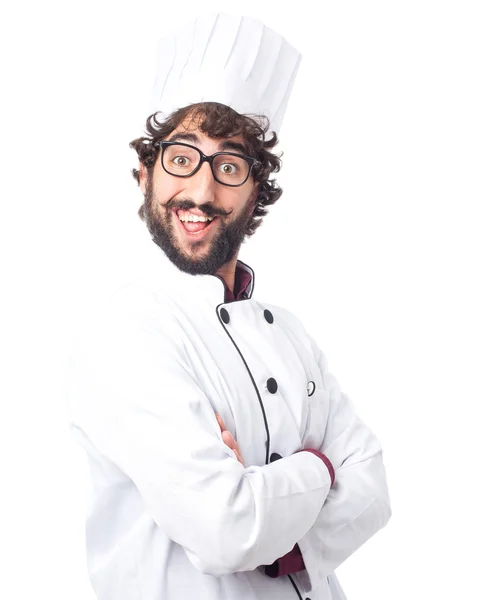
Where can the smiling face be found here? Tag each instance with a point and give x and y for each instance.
(170, 202)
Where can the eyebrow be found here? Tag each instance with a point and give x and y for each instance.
(193, 138)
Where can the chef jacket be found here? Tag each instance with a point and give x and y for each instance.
(173, 514)
(293, 560)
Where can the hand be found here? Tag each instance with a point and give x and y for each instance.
(229, 440)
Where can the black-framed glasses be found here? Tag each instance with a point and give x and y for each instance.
(184, 160)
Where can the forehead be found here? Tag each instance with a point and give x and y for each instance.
(190, 127)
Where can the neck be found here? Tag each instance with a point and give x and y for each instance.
(227, 273)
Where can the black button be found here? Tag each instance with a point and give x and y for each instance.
(275, 456)
(225, 315)
(272, 385)
(268, 316)
(311, 388)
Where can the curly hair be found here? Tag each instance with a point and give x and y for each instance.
(218, 121)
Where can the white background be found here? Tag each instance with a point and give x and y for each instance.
(374, 245)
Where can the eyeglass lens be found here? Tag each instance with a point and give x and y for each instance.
(181, 160)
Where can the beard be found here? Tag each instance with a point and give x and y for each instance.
(223, 245)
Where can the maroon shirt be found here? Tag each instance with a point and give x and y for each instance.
(291, 562)
(242, 281)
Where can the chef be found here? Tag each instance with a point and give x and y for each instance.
(226, 462)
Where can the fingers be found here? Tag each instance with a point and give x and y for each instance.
(229, 440)
(221, 423)
(227, 435)
(239, 458)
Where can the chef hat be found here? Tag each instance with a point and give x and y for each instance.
(233, 60)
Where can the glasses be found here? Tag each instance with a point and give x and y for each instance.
(183, 160)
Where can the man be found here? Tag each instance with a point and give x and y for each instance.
(226, 461)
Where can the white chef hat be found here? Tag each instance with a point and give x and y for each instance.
(233, 60)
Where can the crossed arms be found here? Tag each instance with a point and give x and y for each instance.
(134, 397)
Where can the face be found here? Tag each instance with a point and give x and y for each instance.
(197, 248)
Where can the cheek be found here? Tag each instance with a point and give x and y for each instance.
(166, 187)
(243, 198)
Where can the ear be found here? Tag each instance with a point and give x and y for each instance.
(143, 177)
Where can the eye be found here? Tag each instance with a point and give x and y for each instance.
(228, 168)
(181, 161)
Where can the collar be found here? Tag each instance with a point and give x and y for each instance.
(168, 276)
(242, 280)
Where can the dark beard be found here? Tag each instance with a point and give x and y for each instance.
(223, 246)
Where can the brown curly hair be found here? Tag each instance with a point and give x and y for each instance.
(218, 121)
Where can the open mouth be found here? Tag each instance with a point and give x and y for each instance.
(197, 227)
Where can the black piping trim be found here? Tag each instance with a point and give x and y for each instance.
(254, 276)
(252, 379)
(295, 588)
(225, 288)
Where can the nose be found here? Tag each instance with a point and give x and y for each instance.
(202, 185)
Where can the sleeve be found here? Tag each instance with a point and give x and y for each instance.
(132, 393)
(292, 562)
(358, 503)
(287, 564)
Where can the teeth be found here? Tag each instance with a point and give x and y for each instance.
(195, 218)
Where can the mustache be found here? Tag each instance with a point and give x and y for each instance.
(187, 204)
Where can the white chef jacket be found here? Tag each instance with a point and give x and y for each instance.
(173, 514)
